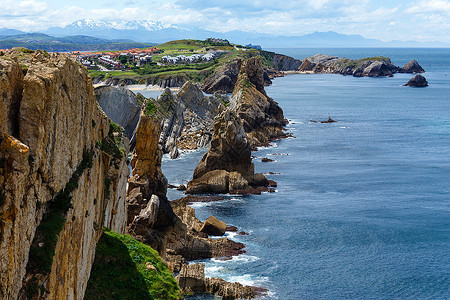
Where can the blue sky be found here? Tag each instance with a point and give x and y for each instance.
(421, 20)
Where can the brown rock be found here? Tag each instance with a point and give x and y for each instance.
(213, 226)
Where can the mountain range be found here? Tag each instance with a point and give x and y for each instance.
(158, 32)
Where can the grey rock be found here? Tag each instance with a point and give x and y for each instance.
(417, 81)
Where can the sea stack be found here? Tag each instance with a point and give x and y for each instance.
(417, 81)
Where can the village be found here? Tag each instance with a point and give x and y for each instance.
(132, 58)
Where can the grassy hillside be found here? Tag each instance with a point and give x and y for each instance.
(127, 269)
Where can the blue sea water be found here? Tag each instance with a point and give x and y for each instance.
(362, 208)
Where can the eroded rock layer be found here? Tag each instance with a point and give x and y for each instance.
(58, 185)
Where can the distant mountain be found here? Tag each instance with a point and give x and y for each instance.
(141, 31)
(158, 32)
(69, 43)
(7, 31)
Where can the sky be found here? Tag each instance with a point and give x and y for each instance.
(419, 20)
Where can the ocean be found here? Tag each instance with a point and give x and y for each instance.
(362, 208)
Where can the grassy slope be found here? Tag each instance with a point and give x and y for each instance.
(120, 272)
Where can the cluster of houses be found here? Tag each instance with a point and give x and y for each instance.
(211, 55)
(140, 56)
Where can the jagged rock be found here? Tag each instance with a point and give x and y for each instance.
(49, 122)
(213, 226)
(181, 187)
(121, 106)
(192, 280)
(417, 81)
(285, 63)
(378, 68)
(265, 159)
(412, 67)
(224, 78)
(227, 166)
(263, 119)
(190, 119)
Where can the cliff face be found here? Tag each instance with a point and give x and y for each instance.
(263, 118)
(190, 121)
(121, 106)
(57, 189)
(285, 63)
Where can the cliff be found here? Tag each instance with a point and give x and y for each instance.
(62, 176)
(122, 106)
(190, 118)
(263, 119)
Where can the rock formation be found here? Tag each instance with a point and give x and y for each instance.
(59, 185)
(371, 66)
(417, 81)
(121, 106)
(192, 280)
(263, 118)
(224, 78)
(227, 166)
(188, 119)
(412, 67)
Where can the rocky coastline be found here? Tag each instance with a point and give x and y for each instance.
(64, 165)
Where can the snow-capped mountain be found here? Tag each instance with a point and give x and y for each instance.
(119, 25)
(141, 30)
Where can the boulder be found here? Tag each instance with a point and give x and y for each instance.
(377, 68)
(213, 226)
(412, 67)
(417, 81)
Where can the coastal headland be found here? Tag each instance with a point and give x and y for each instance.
(69, 208)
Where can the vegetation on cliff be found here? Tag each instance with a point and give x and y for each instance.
(127, 269)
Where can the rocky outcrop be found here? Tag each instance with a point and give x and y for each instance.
(213, 226)
(121, 106)
(263, 119)
(281, 62)
(189, 118)
(192, 280)
(411, 67)
(224, 78)
(54, 175)
(417, 81)
(227, 166)
(372, 66)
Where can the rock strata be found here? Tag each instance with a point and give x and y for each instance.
(192, 280)
(263, 119)
(54, 171)
(190, 118)
(227, 166)
(121, 106)
(417, 81)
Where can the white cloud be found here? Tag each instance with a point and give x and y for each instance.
(430, 6)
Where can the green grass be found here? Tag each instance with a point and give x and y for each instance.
(120, 271)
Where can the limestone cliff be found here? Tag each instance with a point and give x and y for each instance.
(59, 183)
(121, 106)
(263, 118)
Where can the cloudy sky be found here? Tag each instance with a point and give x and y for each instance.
(421, 20)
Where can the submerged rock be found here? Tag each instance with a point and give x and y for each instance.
(417, 81)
